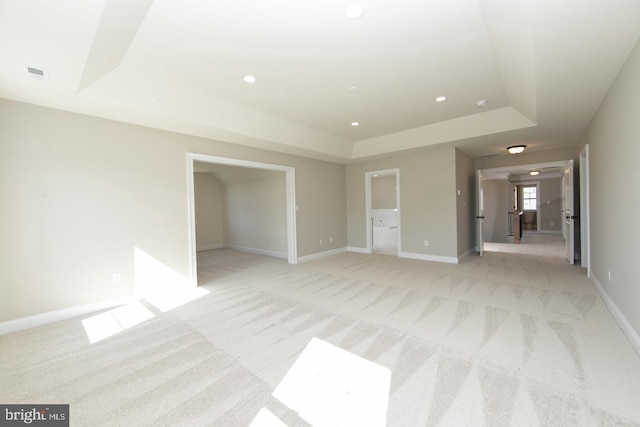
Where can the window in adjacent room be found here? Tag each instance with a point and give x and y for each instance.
(529, 199)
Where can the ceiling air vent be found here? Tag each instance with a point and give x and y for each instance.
(37, 73)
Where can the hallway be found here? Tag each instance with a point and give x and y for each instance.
(532, 244)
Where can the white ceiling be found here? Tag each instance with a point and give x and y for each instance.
(542, 65)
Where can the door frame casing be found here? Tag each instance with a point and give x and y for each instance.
(569, 205)
(585, 219)
(506, 169)
(479, 214)
(368, 208)
(292, 251)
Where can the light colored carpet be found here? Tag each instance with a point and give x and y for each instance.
(505, 339)
(532, 244)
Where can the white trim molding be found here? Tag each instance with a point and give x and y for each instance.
(619, 317)
(358, 250)
(62, 314)
(425, 257)
(324, 254)
(466, 254)
(585, 211)
(209, 247)
(274, 254)
(369, 205)
(290, 188)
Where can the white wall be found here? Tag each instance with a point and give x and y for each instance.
(526, 158)
(496, 206)
(255, 211)
(82, 195)
(427, 200)
(383, 192)
(614, 144)
(465, 203)
(550, 203)
(208, 211)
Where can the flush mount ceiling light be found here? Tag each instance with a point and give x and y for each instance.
(354, 124)
(534, 173)
(250, 79)
(441, 99)
(516, 149)
(481, 103)
(354, 11)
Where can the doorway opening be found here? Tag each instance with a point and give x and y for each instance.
(289, 173)
(382, 193)
(526, 216)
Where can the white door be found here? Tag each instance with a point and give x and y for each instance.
(585, 233)
(569, 213)
(479, 214)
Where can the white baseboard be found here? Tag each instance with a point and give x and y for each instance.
(358, 250)
(63, 314)
(260, 252)
(466, 254)
(425, 257)
(322, 254)
(619, 317)
(209, 247)
(411, 255)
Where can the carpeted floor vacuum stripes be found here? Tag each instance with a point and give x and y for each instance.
(505, 339)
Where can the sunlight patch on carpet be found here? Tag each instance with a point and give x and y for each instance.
(111, 322)
(329, 386)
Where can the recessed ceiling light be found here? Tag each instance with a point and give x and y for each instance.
(441, 98)
(354, 11)
(355, 124)
(250, 79)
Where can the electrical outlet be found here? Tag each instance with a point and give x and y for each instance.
(330, 239)
(116, 278)
(320, 241)
(426, 243)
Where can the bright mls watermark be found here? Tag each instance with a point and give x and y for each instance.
(35, 415)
